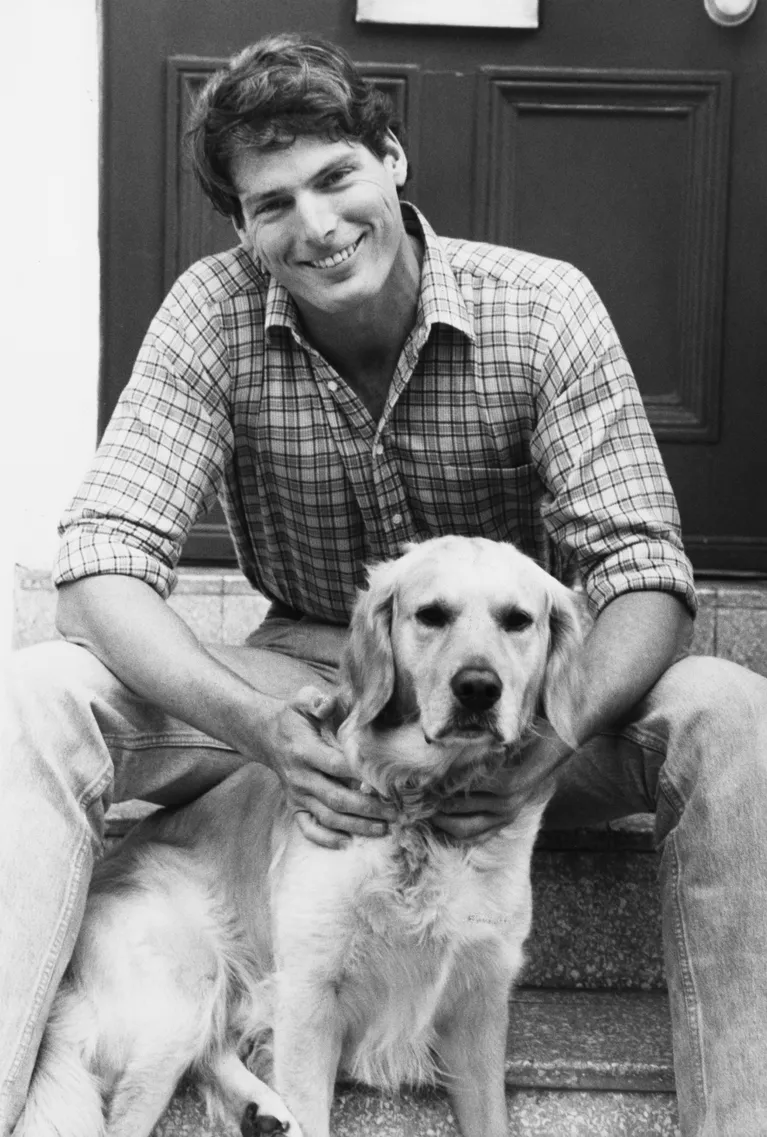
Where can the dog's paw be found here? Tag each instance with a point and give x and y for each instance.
(254, 1123)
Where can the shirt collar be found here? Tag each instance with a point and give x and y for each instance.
(280, 310)
(440, 302)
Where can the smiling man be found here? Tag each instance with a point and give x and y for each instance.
(323, 218)
(345, 380)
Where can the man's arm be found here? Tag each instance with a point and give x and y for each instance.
(633, 641)
(128, 626)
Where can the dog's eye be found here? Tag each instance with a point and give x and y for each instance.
(515, 620)
(432, 616)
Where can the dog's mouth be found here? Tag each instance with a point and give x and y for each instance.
(472, 728)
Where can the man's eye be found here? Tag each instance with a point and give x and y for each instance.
(334, 176)
(515, 620)
(432, 616)
(269, 207)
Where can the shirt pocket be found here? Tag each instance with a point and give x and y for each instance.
(502, 503)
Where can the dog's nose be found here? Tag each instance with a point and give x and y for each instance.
(476, 688)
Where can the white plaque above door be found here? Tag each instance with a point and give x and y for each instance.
(450, 13)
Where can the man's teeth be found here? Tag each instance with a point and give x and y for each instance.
(337, 258)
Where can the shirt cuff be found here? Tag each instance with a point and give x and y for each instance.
(84, 554)
(648, 566)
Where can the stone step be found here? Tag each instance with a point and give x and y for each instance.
(534, 1113)
(596, 909)
(578, 1062)
(590, 1040)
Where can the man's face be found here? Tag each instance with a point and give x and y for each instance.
(324, 219)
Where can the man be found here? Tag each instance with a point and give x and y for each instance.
(347, 381)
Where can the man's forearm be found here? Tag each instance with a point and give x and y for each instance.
(148, 646)
(633, 642)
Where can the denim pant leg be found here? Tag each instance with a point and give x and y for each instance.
(711, 823)
(696, 753)
(74, 739)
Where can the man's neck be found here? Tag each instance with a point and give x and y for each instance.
(364, 344)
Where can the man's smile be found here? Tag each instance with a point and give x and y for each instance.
(337, 258)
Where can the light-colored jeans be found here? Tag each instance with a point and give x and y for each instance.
(695, 752)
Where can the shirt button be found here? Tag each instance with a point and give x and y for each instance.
(397, 519)
(379, 450)
(332, 385)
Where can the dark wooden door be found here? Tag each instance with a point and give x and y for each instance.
(628, 138)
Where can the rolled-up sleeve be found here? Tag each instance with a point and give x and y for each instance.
(608, 498)
(162, 458)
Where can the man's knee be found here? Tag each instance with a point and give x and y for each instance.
(57, 664)
(713, 714)
(704, 690)
(48, 734)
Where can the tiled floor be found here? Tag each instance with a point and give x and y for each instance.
(221, 607)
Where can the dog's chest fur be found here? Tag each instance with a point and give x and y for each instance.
(402, 925)
(421, 889)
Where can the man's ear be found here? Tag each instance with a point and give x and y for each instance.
(395, 158)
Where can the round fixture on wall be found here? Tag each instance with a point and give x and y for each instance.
(730, 13)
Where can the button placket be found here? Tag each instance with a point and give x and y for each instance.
(390, 497)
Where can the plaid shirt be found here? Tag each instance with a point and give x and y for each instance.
(512, 414)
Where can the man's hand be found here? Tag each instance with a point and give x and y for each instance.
(316, 776)
(529, 780)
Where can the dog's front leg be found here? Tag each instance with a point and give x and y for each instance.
(471, 1046)
(308, 1034)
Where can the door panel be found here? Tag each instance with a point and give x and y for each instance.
(535, 191)
(628, 139)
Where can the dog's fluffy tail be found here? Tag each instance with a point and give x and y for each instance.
(64, 1097)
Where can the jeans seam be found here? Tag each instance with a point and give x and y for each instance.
(95, 789)
(85, 800)
(686, 978)
(181, 739)
(667, 787)
(645, 739)
(51, 956)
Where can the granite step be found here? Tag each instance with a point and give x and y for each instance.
(596, 909)
(590, 1040)
(358, 1112)
(578, 1062)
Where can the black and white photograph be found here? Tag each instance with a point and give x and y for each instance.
(383, 718)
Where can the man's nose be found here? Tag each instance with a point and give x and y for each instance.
(317, 216)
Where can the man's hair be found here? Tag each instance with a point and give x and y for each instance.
(279, 89)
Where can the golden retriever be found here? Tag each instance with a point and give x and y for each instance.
(218, 932)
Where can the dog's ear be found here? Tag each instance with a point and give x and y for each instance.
(561, 684)
(368, 664)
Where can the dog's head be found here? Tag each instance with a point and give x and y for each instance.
(465, 638)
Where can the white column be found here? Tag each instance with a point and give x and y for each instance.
(50, 294)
